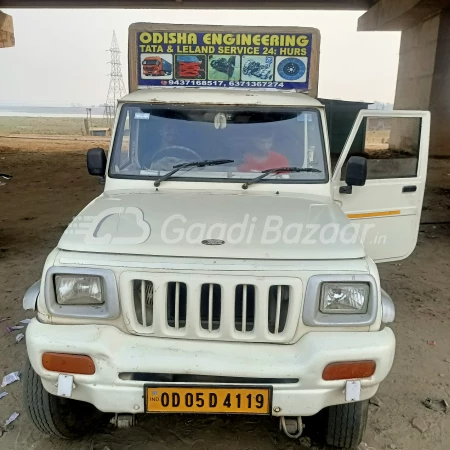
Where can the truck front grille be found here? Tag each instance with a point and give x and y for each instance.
(223, 308)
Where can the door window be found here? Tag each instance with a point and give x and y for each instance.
(390, 145)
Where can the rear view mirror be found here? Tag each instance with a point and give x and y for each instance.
(356, 174)
(96, 162)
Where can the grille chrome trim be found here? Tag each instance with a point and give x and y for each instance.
(210, 306)
(244, 308)
(143, 303)
(277, 317)
(177, 305)
(209, 319)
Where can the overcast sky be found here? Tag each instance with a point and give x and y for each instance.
(60, 56)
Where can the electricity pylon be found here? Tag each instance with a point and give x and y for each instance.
(116, 87)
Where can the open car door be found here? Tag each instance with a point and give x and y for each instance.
(386, 210)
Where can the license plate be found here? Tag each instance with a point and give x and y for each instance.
(212, 400)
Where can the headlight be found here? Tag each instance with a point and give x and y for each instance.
(344, 298)
(78, 290)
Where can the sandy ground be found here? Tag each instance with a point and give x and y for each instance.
(51, 185)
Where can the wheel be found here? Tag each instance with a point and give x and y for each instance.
(57, 416)
(345, 424)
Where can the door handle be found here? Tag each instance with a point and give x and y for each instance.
(409, 188)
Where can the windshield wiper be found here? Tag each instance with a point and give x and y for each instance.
(206, 162)
(268, 172)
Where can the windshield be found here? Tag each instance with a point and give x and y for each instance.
(151, 140)
(150, 62)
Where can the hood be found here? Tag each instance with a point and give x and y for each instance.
(247, 225)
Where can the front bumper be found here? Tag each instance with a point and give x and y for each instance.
(116, 352)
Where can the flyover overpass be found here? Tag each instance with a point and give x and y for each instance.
(424, 67)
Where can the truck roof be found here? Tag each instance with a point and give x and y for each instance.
(221, 96)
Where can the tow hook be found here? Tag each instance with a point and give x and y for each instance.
(124, 420)
(292, 426)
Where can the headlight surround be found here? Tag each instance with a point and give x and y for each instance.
(344, 298)
(79, 290)
(315, 315)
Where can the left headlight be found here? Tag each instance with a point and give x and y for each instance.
(78, 290)
(344, 298)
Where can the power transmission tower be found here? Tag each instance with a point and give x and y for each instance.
(116, 87)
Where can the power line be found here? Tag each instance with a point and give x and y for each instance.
(116, 87)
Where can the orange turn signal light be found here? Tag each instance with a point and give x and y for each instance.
(67, 363)
(349, 370)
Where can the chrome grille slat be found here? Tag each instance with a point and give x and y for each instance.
(143, 303)
(244, 308)
(210, 307)
(277, 317)
(177, 305)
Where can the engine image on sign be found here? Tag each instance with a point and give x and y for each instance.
(223, 57)
(257, 68)
(221, 68)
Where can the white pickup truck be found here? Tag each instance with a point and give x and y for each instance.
(226, 267)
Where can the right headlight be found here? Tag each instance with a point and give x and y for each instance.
(341, 300)
(344, 298)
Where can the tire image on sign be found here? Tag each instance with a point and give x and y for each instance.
(291, 69)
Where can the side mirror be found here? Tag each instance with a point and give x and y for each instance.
(356, 174)
(96, 162)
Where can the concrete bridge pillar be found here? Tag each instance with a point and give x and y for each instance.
(424, 66)
(6, 30)
(424, 76)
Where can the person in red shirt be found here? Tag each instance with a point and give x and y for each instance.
(262, 156)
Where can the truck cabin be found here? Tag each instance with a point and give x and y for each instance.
(151, 61)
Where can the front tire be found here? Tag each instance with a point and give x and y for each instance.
(57, 416)
(346, 424)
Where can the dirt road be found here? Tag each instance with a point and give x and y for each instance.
(51, 185)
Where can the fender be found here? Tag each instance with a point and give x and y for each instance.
(387, 307)
(31, 296)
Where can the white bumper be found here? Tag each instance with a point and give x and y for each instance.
(115, 352)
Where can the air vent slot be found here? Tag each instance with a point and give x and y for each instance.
(244, 308)
(176, 304)
(143, 302)
(279, 297)
(210, 306)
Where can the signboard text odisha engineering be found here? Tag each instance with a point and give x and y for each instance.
(250, 58)
(238, 43)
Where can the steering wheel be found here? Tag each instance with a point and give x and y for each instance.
(174, 151)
